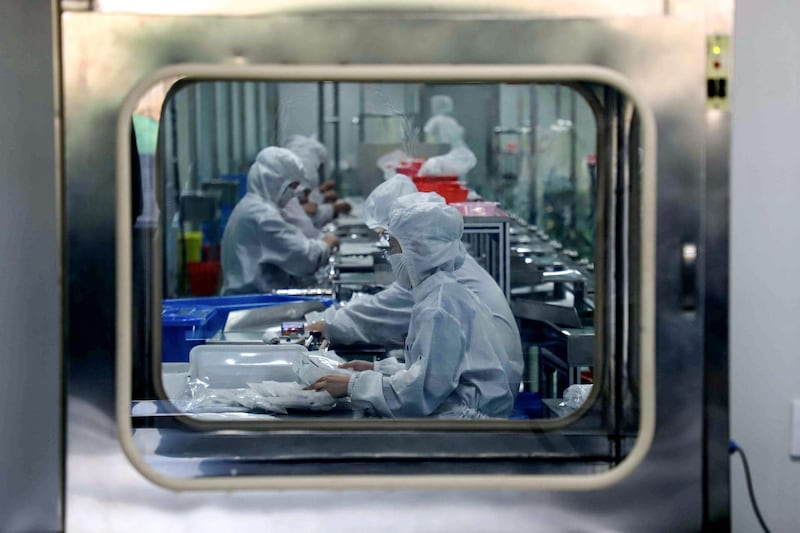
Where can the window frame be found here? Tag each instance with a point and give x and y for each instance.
(393, 73)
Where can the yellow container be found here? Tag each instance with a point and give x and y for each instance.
(194, 246)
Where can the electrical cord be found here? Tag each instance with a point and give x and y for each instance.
(733, 448)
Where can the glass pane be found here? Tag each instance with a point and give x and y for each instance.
(517, 160)
(280, 295)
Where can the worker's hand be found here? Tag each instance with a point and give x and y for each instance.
(342, 208)
(327, 185)
(319, 326)
(310, 208)
(335, 385)
(358, 365)
(330, 196)
(331, 240)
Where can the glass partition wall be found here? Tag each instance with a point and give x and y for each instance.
(551, 203)
(534, 145)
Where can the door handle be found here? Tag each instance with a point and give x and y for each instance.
(688, 296)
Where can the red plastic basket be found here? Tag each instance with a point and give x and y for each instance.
(434, 179)
(434, 183)
(409, 167)
(451, 190)
(204, 277)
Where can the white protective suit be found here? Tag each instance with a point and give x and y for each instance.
(260, 250)
(383, 318)
(312, 154)
(379, 202)
(443, 128)
(454, 356)
(294, 214)
(456, 162)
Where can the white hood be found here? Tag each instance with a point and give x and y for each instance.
(430, 236)
(312, 154)
(379, 203)
(273, 171)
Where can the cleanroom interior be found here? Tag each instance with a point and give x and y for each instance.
(540, 207)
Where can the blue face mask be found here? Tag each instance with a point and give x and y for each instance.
(400, 270)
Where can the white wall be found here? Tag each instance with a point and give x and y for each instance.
(765, 259)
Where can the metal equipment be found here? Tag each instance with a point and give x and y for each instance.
(487, 241)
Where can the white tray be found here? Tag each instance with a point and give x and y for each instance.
(233, 366)
(230, 366)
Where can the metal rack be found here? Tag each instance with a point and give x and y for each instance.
(487, 241)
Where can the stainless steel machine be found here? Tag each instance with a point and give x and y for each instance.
(649, 447)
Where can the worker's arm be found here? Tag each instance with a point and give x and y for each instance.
(380, 318)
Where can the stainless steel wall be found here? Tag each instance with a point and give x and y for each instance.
(104, 491)
(30, 419)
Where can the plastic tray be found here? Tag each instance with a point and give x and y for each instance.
(479, 209)
(226, 304)
(231, 366)
(188, 322)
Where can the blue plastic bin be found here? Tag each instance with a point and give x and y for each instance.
(192, 320)
(528, 405)
(183, 327)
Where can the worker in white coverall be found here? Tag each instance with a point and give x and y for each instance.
(261, 251)
(453, 357)
(383, 318)
(321, 203)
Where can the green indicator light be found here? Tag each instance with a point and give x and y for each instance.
(716, 50)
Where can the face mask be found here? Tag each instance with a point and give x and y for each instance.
(400, 270)
(287, 194)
